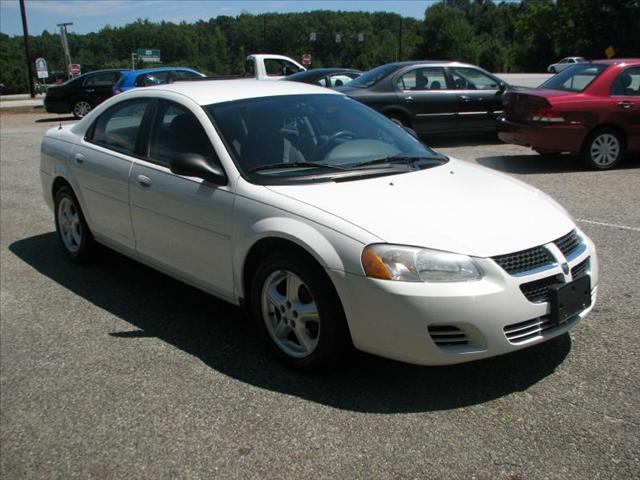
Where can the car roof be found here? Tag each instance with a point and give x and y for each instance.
(616, 61)
(158, 69)
(206, 92)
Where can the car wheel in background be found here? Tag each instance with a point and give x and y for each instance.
(74, 234)
(399, 119)
(297, 312)
(553, 70)
(603, 149)
(81, 108)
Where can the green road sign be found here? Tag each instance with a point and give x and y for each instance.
(148, 54)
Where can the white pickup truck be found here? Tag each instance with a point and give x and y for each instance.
(267, 66)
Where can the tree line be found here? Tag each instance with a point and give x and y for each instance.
(507, 37)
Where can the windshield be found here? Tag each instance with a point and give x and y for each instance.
(315, 136)
(575, 78)
(373, 76)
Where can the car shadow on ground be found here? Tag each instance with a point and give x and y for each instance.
(559, 163)
(56, 119)
(216, 333)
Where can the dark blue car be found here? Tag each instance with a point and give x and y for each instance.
(153, 76)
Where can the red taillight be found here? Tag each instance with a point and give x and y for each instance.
(547, 114)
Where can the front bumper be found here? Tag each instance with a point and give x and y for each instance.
(556, 138)
(403, 320)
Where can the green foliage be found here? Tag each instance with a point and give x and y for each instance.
(508, 36)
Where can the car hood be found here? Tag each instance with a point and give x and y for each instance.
(457, 207)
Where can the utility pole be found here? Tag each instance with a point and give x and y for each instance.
(25, 31)
(400, 41)
(65, 45)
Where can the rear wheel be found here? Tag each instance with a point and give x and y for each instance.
(74, 234)
(81, 108)
(603, 149)
(297, 311)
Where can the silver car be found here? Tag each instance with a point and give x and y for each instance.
(564, 63)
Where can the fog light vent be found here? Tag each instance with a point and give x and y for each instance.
(447, 335)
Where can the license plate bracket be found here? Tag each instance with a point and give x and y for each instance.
(567, 299)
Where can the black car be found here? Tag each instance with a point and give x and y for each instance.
(325, 77)
(79, 95)
(432, 96)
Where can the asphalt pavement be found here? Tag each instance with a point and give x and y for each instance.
(113, 370)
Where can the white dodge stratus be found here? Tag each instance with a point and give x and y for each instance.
(331, 224)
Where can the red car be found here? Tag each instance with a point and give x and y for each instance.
(591, 109)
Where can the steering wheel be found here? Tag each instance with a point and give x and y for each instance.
(325, 147)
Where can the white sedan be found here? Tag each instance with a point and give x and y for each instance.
(564, 63)
(332, 226)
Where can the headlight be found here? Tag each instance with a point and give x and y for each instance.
(411, 264)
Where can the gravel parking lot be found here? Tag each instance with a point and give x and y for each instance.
(116, 371)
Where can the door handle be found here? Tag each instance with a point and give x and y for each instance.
(465, 98)
(408, 99)
(144, 181)
(626, 104)
(91, 90)
(79, 158)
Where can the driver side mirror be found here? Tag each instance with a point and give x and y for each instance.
(502, 86)
(195, 165)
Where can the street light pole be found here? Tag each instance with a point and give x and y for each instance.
(25, 31)
(65, 45)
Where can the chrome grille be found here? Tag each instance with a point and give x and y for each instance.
(580, 269)
(538, 290)
(524, 260)
(447, 335)
(568, 243)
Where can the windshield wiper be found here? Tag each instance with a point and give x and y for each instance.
(397, 159)
(283, 165)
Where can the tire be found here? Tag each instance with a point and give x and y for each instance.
(603, 149)
(73, 232)
(553, 70)
(399, 119)
(81, 107)
(318, 342)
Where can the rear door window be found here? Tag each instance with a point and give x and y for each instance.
(627, 84)
(118, 127)
(102, 79)
(155, 78)
(423, 78)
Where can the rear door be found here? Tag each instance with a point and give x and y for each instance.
(99, 87)
(101, 163)
(424, 91)
(625, 104)
(479, 99)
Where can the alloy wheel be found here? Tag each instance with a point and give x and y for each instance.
(81, 108)
(290, 314)
(70, 225)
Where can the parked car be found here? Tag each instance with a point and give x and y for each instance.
(153, 76)
(79, 95)
(269, 66)
(432, 96)
(564, 63)
(591, 109)
(326, 221)
(326, 77)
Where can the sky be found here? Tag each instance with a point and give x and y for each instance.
(91, 15)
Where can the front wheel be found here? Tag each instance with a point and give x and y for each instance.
(74, 234)
(297, 311)
(603, 149)
(552, 69)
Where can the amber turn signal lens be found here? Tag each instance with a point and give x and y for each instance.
(374, 266)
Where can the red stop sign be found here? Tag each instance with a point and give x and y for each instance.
(306, 59)
(74, 68)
